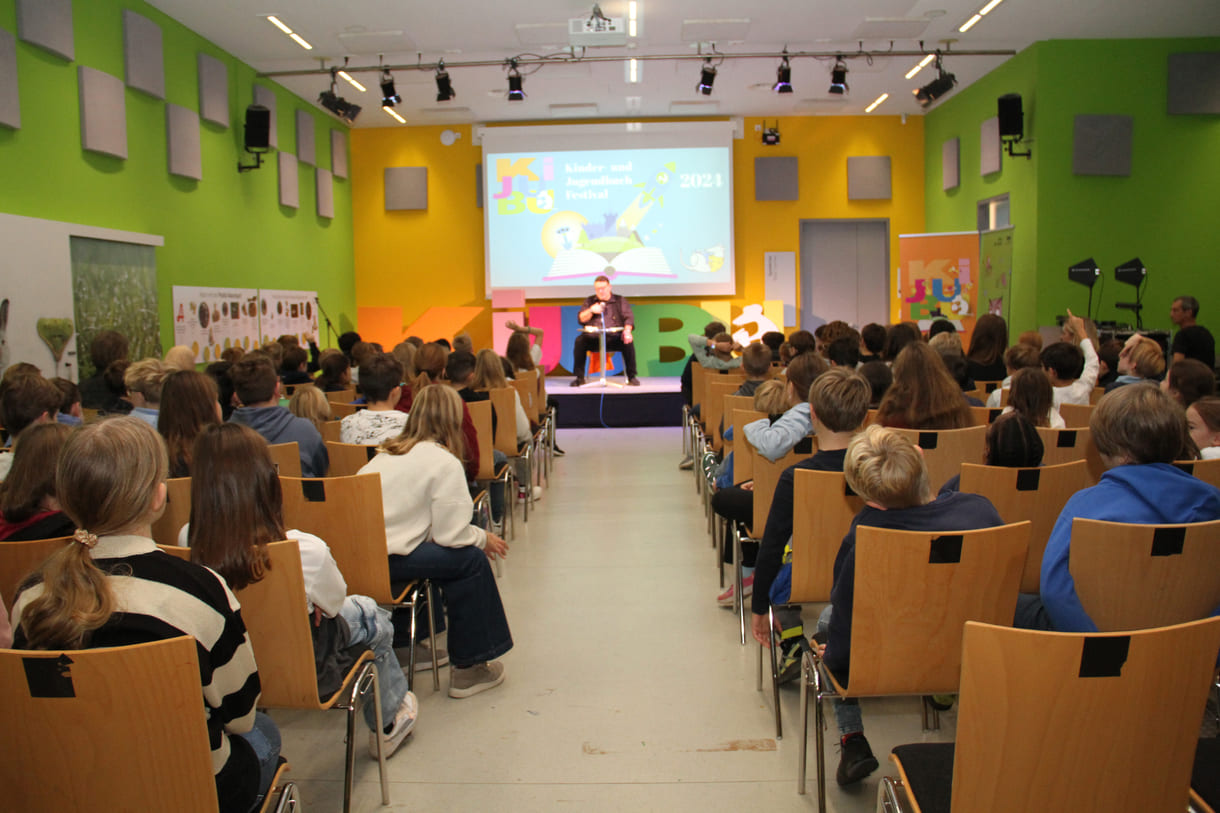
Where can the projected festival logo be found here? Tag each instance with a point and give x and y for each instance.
(600, 220)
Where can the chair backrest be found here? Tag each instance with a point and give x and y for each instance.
(743, 460)
(340, 410)
(1066, 445)
(275, 615)
(914, 591)
(985, 416)
(1034, 494)
(287, 458)
(1049, 720)
(20, 559)
(348, 458)
(1206, 470)
(824, 507)
(945, 450)
(1096, 395)
(504, 404)
(1139, 576)
(91, 729)
(713, 405)
(732, 403)
(480, 414)
(766, 477)
(346, 513)
(341, 396)
(331, 430)
(177, 511)
(1076, 416)
(698, 375)
(987, 386)
(526, 382)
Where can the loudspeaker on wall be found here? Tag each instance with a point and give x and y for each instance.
(258, 128)
(1012, 121)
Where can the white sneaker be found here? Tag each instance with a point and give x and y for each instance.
(537, 493)
(404, 721)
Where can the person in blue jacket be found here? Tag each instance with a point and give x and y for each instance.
(1139, 431)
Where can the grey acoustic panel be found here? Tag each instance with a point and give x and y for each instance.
(213, 90)
(776, 178)
(290, 182)
(478, 185)
(10, 99)
(182, 139)
(47, 24)
(325, 185)
(103, 114)
(338, 153)
(307, 149)
(868, 177)
(989, 146)
(142, 54)
(1194, 84)
(406, 188)
(1101, 145)
(950, 166)
(266, 97)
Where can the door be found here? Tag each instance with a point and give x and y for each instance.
(844, 272)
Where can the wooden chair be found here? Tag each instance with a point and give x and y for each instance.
(526, 384)
(985, 416)
(713, 410)
(1033, 494)
(177, 511)
(1075, 725)
(945, 450)
(914, 591)
(345, 396)
(287, 458)
(95, 727)
(1132, 576)
(1206, 470)
(1076, 416)
(987, 386)
(1096, 395)
(348, 458)
(346, 512)
(340, 411)
(1066, 445)
(823, 508)
(504, 438)
(20, 559)
(274, 611)
(331, 431)
(480, 414)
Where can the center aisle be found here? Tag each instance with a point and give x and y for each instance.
(627, 688)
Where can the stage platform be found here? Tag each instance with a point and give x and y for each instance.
(656, 402)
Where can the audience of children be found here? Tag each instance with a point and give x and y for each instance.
(1188, 381)
(188, 405)
(924, 394)
(381, 386)
(257, 388)
(29, 508)
(310, 403)
(143, 380)
(1203, 422)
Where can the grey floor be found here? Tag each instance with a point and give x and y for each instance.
(627, 689)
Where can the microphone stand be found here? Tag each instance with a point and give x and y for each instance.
(330, 329)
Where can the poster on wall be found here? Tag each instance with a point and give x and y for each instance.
(938, 279)
(291, 312)
(114, 287)
(211, 320)
(995, 273)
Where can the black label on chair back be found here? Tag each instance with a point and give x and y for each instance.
(945, 550)
(1066, 439)
(1027, 479)
(371, 451)
(847, 492)
(1104, 657)
(990, 386)
(1186, 466)
(1168, 541)
(992, 414)
(314, 490)
(927, 440)
(804, 446)
(49, 677)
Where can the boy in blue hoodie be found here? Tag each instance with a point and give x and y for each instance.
(257, 388)
(1139, 431)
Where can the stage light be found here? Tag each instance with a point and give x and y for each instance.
(337, 104)
(942, 84)
(389, 96)
(516, 93)
(707, 78)
(783, 77)
(444, 87)
(838, 78)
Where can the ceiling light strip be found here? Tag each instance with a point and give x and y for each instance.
(392, 113)
(271, 18)
(352, 81)
(923, 63)
(969, 24)
(983, 11)
(632, 11)
(878, 101)
(299, 40)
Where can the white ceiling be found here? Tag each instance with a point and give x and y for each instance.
(416, 32)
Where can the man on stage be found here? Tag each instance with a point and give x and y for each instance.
(608, 308)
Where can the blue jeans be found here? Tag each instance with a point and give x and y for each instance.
(264, 738)
(370, 625)
(496, 489)
(847, 712)
(478, 628)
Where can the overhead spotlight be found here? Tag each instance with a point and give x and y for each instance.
(515, 91)
(783, 76)
(838, 77)
(770, 135)
(337, 104)
(444, 88)
(942, 84)
(707, 78)
(389, 96)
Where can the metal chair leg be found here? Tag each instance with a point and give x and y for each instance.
(739, 603)
(775, 643)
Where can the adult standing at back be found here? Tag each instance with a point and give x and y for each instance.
(1192, 341)
(605, 308)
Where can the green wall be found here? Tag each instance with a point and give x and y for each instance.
(1164, 212)
(227, 229)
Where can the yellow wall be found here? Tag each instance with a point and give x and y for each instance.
(415, 260)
